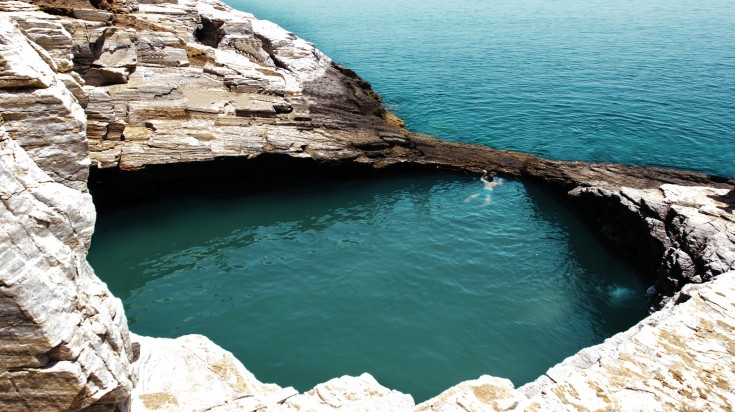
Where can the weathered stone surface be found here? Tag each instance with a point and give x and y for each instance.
(680, 358)
(95, 15)
(686, 234)
(20, 65)
(192, 373)
(158, 65)
(71, 6)
(47, 32)
(161, 49)
(361, 393)
(116, 49)
(11, 6)
(484, 394)
(176, 81)
(64, 342)
(120, 6)
(42, 115)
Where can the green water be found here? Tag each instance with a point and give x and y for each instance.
(413, 279)
(647, 82)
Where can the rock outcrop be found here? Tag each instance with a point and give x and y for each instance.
(39, 110)
(64, 341)
(210, 378)
(131, 87)
(680, 358)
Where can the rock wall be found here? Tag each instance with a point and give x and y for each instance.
(129, 86)
(39, 111)
(64, 342)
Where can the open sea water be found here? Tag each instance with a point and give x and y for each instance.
(646, 82)
(425, 281)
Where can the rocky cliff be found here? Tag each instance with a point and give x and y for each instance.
(159, 91)
(64, 342)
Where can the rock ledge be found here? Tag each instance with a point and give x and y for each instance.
(132, 87)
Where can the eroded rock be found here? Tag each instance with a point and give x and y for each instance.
(64, 342)
(169, 82)
(40, 113)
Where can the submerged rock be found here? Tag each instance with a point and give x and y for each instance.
(135, 86)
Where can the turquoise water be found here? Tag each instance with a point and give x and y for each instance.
(644, 82)
(422, 281)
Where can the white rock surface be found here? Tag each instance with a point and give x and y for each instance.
(170, 98)
(64, 341)
(484, 394)
(20, 65)
(39, 111)
(191, 373)
(361, 393)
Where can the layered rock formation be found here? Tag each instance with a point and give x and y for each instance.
(157, 84)
(64, 341)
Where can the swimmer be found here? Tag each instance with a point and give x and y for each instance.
(488, 183)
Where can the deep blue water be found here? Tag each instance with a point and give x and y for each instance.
(647, 82)
(422, 281)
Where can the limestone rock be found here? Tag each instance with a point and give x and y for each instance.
(94, 15)
(161, 49)
(361, 393)
(64, 341)
(484, 394)
(48, 33)
(121, 6)
(192, 373)
(15, 6)
(41, 114)
(115, 49)
(114, 58)
(686, 233)
(205, 65)
(20, 65)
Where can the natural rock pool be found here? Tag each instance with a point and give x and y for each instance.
(412, 279)
(415, 279)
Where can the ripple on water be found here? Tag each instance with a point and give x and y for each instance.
(647, 83)
(399, 277)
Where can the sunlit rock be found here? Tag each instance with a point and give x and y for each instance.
(179, 81)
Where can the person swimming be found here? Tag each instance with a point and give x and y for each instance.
(488, 180)
(488, 183)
